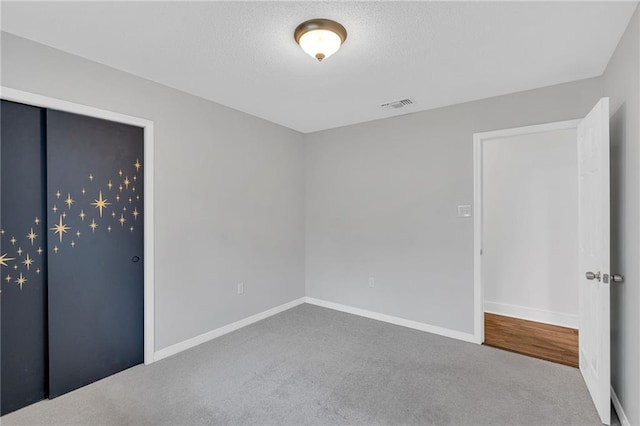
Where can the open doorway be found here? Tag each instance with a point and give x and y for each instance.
(526, 218)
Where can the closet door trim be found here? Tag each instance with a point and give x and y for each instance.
(36, 100)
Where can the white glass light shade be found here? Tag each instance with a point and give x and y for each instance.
(320, 44)
(320, 38)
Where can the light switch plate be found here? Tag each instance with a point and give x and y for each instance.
(464, 210)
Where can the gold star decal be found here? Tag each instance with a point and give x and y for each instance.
(38, 271)
(28, 261)
(21, 280)
(58, 194)
(120, 188)
(36, 221)
(109, 228)
(13, 240)
(127, 182)
(55, 209)
(135, 213)
(91, 177)
(55, 249)
(4, 259)
(32, 236)
(120, 172)
(69, 200)
(122, 220)
(73, 243)
(64, 215)
(131, 229)
(113, 213)
(110, 185)
(93, 225)
(84, 191)
(78, 234)
(137, 165)
(133, 189)
(137, 197)
(118, 197)
(82, 215)
(19, 251)
(100, 203)
(124, 209)
(15, 266)
(8, 278)
(2, 230)
(135, 178)
(60, 228)
(130, 200)
(39, 250)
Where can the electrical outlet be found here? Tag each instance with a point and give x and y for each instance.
(240, 288)
(372, 283)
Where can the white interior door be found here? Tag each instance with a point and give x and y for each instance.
(594, 248)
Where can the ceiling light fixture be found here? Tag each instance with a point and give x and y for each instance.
(320, 38)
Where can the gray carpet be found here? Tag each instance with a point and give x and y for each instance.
(311, 365)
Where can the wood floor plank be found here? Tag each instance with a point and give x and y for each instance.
(539, 340)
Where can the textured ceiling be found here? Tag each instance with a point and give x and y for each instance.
(242, 54)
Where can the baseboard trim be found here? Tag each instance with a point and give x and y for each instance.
(210, 335)
(454, 334)
(532, 314)
(624, 421)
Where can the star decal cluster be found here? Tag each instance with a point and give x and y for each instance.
(99, 205)
(20, 255)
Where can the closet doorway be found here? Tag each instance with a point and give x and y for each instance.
(74, 292)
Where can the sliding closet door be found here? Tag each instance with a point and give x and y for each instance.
(22, 258)
(95, 220)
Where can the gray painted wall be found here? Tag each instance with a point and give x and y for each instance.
(382, 202)
(622, 85)
(229, 191)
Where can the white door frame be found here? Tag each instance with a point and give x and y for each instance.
(14, 95)
(478, 141)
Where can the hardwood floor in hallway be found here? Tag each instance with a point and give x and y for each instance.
(539, 340)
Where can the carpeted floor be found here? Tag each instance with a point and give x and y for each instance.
(311, 365)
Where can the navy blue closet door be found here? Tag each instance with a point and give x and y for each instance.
(22, 258)
(95, 248)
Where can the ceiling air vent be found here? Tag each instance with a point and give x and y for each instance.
(398, 104)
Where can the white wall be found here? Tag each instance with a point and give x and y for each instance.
(622, 85)
(229, 191)
(382, 196)
(529, 225)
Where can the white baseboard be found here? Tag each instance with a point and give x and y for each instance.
(467, 337)
(532, 314)
(624, 421)
(210, 335)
